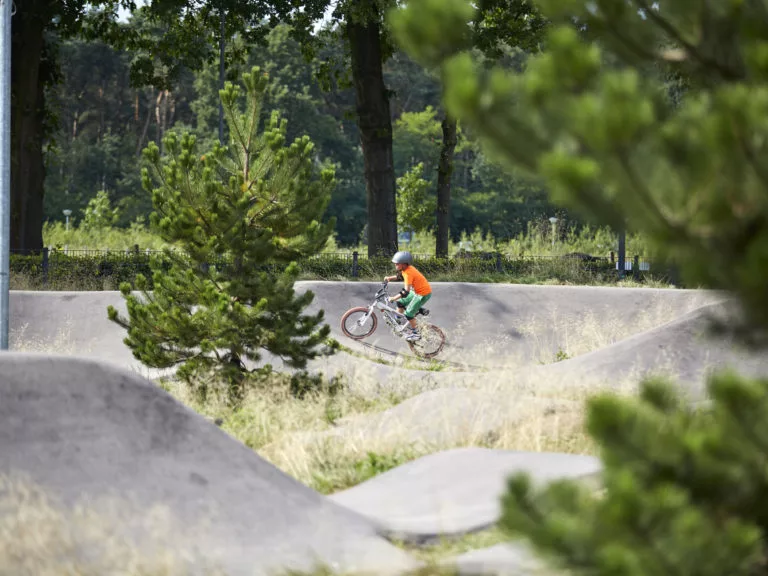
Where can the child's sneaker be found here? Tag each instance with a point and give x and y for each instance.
(412, 335)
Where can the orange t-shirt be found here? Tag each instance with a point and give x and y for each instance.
(414, 278)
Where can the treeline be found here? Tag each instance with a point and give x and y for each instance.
(103, 122)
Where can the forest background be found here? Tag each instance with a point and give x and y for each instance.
(103, 121)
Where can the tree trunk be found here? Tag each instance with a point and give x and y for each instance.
(444, 171)
(144, 131)
(27, 125)
(373, 117)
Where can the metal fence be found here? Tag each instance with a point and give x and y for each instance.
(106, 269)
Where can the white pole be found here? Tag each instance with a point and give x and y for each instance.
(6, 7)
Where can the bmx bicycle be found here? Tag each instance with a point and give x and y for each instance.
(361, 321)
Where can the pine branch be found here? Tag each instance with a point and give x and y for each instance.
(676, 37)
(642, 192)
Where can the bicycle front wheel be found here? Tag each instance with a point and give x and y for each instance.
(431, 342)
(355, 326)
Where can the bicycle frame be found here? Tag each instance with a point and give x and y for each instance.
(381, 303)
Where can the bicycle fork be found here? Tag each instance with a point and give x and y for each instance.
(365, 318)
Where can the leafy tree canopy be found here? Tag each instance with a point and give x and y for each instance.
(609, 139)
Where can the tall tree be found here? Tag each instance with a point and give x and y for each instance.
(363, 30)
(32, 71)
(361, 24)
(496, 26)
(187, 39)
(449, 128)
(594, 122)
(683, 488)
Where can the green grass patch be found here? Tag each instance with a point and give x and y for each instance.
(446, 548)
(331, 477)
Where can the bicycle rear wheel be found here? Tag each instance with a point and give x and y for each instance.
(431, 342)
(350, 323)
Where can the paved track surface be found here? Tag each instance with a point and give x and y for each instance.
(454, 492)
(86, 428)
(512, 559)
(491, 326)
(82, 429)
(498, 325)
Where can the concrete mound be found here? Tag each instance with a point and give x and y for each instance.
(681, 349)
(455, 491)
(508, 559)
(69, 323)
(84, 429)
(498, 325)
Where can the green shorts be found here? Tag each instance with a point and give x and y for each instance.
(412, 303)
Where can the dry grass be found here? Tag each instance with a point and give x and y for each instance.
(59, 342)
(40, 537)
(576, 334)
(331, 459)
(334, 441)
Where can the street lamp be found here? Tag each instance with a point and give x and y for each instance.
(553, 221)
(67, 214)
(7, 10)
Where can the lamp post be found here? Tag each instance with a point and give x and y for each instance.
(553, 221)
(7, 10)
(67, 214)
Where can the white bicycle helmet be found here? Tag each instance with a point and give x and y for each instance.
(402, 257)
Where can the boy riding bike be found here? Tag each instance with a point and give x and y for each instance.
(416, 291)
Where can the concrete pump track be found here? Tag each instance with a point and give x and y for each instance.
(80, 418)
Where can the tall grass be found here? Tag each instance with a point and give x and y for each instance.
(41, 537)
(536, 241)
(55, 234)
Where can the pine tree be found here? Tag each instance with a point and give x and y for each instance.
(653, 115)
(684, 489)
(240, 215)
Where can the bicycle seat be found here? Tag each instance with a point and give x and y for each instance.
(423, 311)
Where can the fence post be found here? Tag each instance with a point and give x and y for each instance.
(498, 263)
(674, 274)
(636, 267)
(354, 264)
(45, 266)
